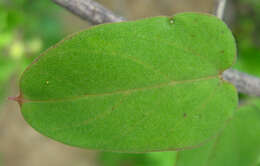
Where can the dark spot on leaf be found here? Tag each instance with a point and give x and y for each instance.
(222, 51)
(193, 35)
(184, 115)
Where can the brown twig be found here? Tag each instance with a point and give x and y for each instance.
(89, 10)
(221, 8)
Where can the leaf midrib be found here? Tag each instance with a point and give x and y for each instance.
(129, 91)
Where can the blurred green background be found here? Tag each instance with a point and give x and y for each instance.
(28, 27)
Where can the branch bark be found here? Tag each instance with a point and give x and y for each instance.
(97, 14)
(244, 83)
(221, 9)
(89, 10)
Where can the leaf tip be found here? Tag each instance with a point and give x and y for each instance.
(18, 99)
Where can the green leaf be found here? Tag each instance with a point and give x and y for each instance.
(147, 85)
(237, 145)
(144, 159)
(249, 61)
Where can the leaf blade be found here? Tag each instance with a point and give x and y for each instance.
(237, 145)
(115, 91)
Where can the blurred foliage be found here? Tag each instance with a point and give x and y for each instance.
(146, 159)
(247, 32)
(29, 20)
(26, 29)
